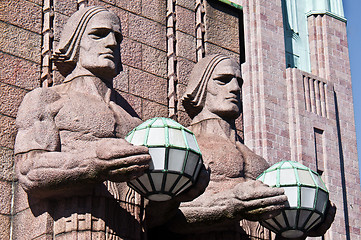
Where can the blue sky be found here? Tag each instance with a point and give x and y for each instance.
(352, 13)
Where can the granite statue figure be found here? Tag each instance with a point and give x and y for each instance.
(213, 101)
(72, 159)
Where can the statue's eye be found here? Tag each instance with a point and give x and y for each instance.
(220, 81)
(99, 33)
(223, 79)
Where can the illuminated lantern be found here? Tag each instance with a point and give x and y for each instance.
(176, 158)
(307, 198)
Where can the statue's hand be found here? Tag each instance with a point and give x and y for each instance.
(119, 161)
(257, 201)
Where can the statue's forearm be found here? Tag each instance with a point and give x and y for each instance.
(44, 173)
(208, 212)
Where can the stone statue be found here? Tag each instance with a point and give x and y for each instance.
(212, 100)
(72, 159)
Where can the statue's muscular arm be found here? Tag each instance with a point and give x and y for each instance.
(249, 199)
(45, 171)
(227, 200)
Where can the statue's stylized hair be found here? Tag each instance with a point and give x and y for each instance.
(66, 54)
(195, 94)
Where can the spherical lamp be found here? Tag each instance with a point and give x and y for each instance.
(307, 198)
(176, 158)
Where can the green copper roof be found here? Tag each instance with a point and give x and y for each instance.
(232, 3)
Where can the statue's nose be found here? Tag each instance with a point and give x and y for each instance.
(111, 40)
(234, 85)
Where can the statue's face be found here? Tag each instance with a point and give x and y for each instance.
(223, 90)
(99, 50)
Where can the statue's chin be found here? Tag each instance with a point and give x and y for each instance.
(230, 114)
(105, 72)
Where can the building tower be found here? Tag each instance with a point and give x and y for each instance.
(298, 97)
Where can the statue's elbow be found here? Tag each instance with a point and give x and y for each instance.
(30, 186)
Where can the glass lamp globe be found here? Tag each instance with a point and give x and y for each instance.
(176, 158)
(307, 198)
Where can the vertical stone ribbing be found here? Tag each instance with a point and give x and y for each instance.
(253, 84)
(171, 56)
(200, 29)
(47, 43)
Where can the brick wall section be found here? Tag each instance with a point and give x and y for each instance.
(302, 124)
(329, 51)
(265, 99)
(277, 126)
(20, 44)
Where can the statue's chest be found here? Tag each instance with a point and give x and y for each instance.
(223, 158)
(86, 114)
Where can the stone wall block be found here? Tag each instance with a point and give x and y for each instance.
(134, 6)
(20, 42)
(222, 13)
(186, 46)
(151, 109)
(38, 2)
(184, 69)
(133, 103)
(211, 48)
(7, 131)
(113, 2)
(6, 164)
(10, 99)
(186, 21)
(121, 82)
(28, 15)
(4, 227)
(183, 118)
(19, 72)
(147, 86)
(191, 5)
(155, 10)
(5, 198)
(45, 237)
(223, 35)
(131, 53)
(154, 61)
(147, 31)
(59, 21)
(65, 7)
